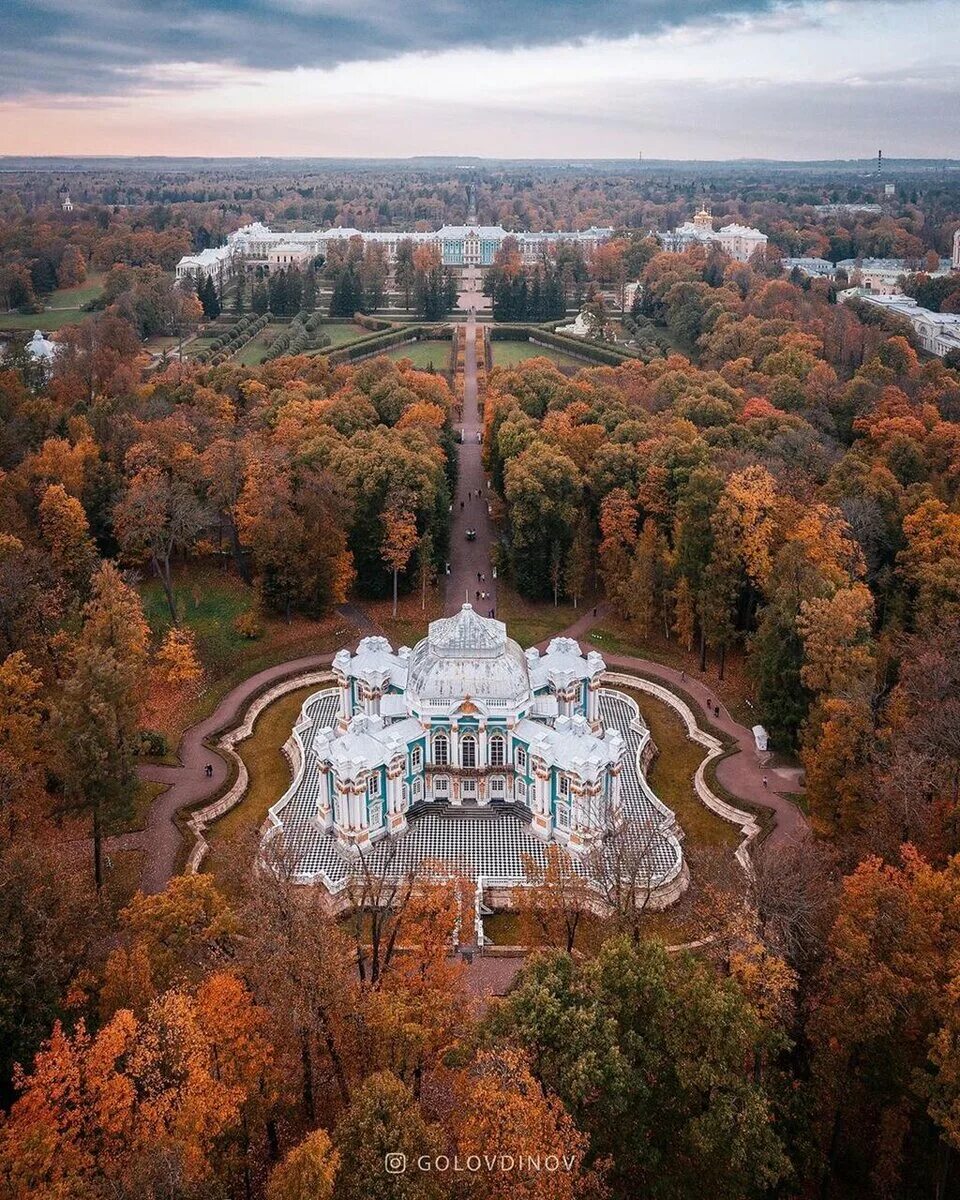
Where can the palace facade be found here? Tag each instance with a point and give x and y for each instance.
(937, 332)
(739, 241)
(469, 750)
(460, 246)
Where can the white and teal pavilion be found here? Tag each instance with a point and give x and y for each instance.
(470, 751)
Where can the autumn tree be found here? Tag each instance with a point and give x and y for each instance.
(73, 267)
(52, 926)
(882, 994)
(309, 1169)
(176, 664)
(399, 542)
(646, 1050)
(291, 518)
(97, 1111)
(383, 1121)
(543, 489)
(96, 718)
(158, 515)
(618, 530)
(66, 536)
(501, 1112)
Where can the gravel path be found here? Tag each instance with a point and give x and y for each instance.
(471, 559)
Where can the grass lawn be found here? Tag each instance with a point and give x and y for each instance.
(252, 352)
(619, 636)
(268, 769)
(48, 320)
(77, 297)
(509, 354)
(209, 600)
(341, 333)
(410, 623)
(671, 775)
(528, 622)
(122, 872)
(197, 346)
(161, 342)
(424, 355)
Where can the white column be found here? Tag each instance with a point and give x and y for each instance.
(324, 800)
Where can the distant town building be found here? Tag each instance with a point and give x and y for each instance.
(739, 241)
(956, 251)
(938, 333)
(460, 246)
(816, 268)
(843, 210)
(218, 262)
(66, 203)
(882, 276)
(889, 189)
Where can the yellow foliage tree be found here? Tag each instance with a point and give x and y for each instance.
(176, 664)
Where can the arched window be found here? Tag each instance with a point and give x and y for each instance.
(416, 759)
(417, 790)
(520, 791)
(468, 751)
(564, 784)
(441, 750)
(497, 751)
(521, 759)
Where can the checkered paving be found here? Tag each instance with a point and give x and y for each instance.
(491, 846)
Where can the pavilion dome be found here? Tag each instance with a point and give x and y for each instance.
(467, 656)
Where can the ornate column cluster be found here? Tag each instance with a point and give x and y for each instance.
(341, 670)
(396, 821)
(350, 810)
(539, 802)
(596, 666)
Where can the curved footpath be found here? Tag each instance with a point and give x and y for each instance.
(740, 773)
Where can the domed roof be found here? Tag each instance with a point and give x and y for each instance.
(467, 656)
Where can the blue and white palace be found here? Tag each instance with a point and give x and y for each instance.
(471, 752)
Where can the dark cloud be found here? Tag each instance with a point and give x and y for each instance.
(83, 47)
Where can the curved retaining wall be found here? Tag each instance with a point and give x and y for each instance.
(665, 896)
(202, 817)
(714, 747)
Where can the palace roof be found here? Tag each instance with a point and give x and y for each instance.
(467, 656)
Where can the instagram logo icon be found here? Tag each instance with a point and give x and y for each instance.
(395, 1163)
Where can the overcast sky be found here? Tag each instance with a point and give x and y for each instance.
(504, 78)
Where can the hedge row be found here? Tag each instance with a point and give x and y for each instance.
(576, 347)
(298, 338)
(368, 322)
(376, 343)
(650, 341)
(595, 351)
(233, 339)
